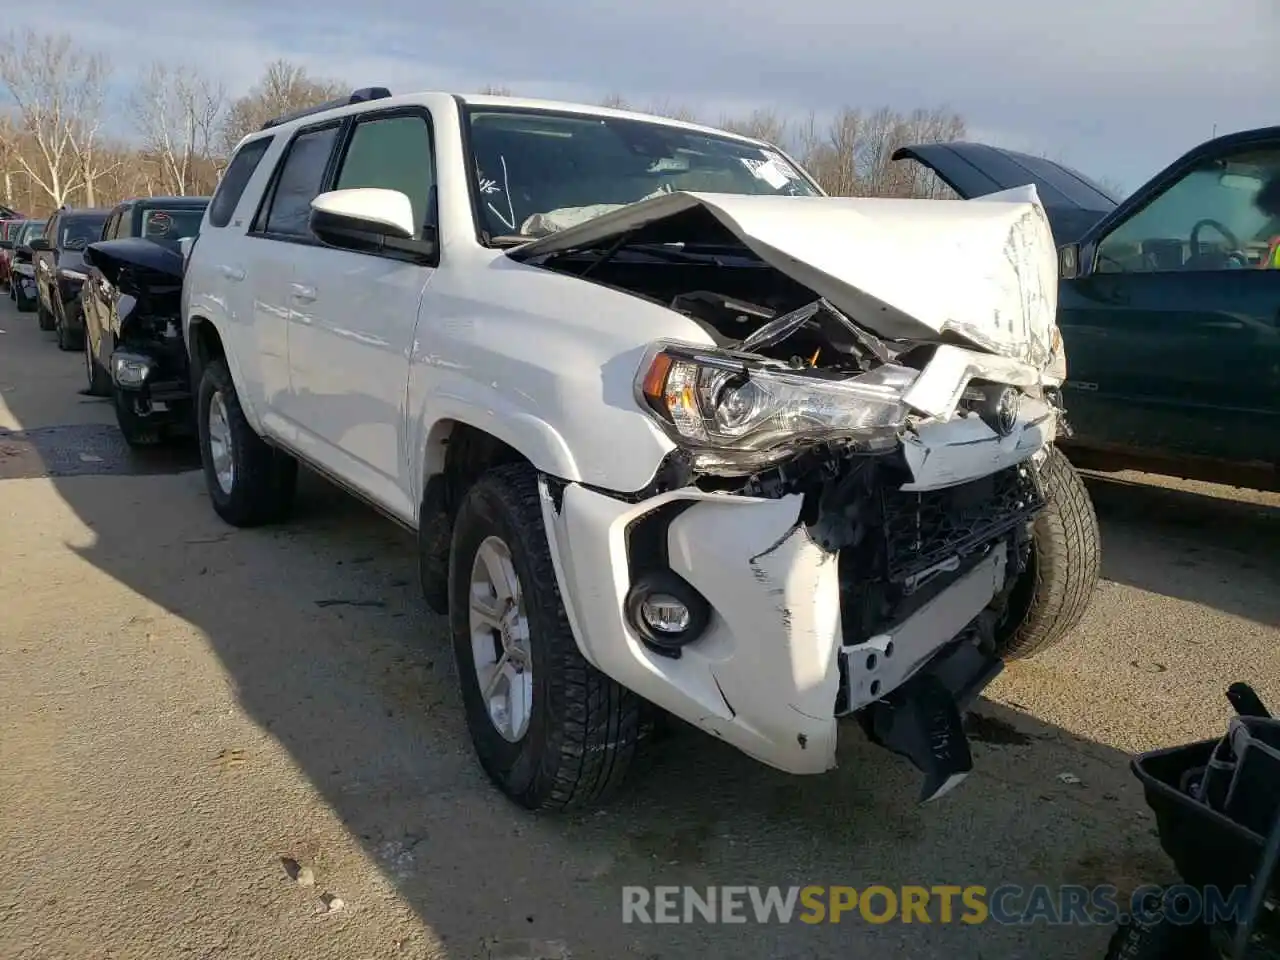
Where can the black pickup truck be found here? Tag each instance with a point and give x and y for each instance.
(1169, 304)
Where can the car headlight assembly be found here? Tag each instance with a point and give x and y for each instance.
(738, 414)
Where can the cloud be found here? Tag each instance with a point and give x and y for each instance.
(1118, 88)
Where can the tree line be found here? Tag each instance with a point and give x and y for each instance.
(63, 142)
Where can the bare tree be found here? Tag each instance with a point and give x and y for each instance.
(490, 90)
(178, 113)
(10, 151)
(762, 124)
(672, 111)
(58, 92)
(615, 101)
(283, 88)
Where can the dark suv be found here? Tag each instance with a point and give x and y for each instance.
(60, 271)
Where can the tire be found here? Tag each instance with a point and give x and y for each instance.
(137, 432)
(66, 339)
(261, 486)
(98, 379)
(25, 305)
(583, 729)
(44, 317)
(1056, 588)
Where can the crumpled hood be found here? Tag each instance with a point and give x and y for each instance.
(147, 264)
(985, 270)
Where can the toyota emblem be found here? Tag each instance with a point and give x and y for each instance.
(1006, 412)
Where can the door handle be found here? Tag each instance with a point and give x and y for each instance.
(303, 293)
(232, 273)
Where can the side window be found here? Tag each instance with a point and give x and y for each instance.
(393, 153)
(1222, 215)
(234, 180)
(298, 182)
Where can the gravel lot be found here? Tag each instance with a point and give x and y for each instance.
(187, 710)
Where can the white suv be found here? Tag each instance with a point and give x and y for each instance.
(675, 430)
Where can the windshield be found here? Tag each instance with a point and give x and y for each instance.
(538, 171)
(78, 232)
(159, 223)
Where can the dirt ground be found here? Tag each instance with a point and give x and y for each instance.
(185, 707)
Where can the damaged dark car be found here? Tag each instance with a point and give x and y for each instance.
(1169, 304)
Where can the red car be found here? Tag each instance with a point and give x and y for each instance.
(9, 220)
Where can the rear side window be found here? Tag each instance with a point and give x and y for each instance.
(393, 153)
(237, 177)
(300, 180)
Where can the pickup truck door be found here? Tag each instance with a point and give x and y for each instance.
(1173, 345)
(1173, 332)
(353, 319)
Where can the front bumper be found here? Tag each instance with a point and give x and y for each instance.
(153, 381)
(774, 668)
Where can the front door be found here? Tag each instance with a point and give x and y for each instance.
(1174, 334)
(353, 317)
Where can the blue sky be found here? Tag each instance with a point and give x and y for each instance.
(1117, 88)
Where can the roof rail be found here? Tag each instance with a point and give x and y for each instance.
(363, 95)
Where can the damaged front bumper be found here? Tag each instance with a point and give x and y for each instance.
(875, 599)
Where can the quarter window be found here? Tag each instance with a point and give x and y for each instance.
(300, 181)
(393, 153)
(234, 180)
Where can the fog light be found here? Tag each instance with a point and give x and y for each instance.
(666, 612)
(130, 371)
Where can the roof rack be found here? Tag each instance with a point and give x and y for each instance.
(363, 95)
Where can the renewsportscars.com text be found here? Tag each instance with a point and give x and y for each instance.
(976, 904)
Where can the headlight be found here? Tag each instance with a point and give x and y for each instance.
(747, 415)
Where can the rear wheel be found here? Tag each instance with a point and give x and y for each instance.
(550, 730)
(250, 482)
(1054, 591)
(67, 339)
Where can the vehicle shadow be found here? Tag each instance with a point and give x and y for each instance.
(329, 649)
(1192, 544)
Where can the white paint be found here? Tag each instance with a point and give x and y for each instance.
(382, 211)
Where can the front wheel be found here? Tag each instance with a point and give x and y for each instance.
(550, 730)
(99, 380)
(250, 482)
(1054, 591)
(25, 303)
(44, 317)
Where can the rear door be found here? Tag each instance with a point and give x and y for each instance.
(45, 263)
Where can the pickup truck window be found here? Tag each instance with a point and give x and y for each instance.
(160, 223)
(236, 178)
(75, 233)
(537, 171)
(393, 153)
(299, 181)
(1211, 219)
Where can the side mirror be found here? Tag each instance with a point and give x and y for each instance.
(39, 245)
(1069, 261)
(367, 218)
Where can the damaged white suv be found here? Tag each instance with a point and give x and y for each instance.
(677, 432)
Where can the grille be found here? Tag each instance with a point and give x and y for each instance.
(924, 529)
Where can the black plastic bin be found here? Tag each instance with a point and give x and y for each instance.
(1208, 848)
